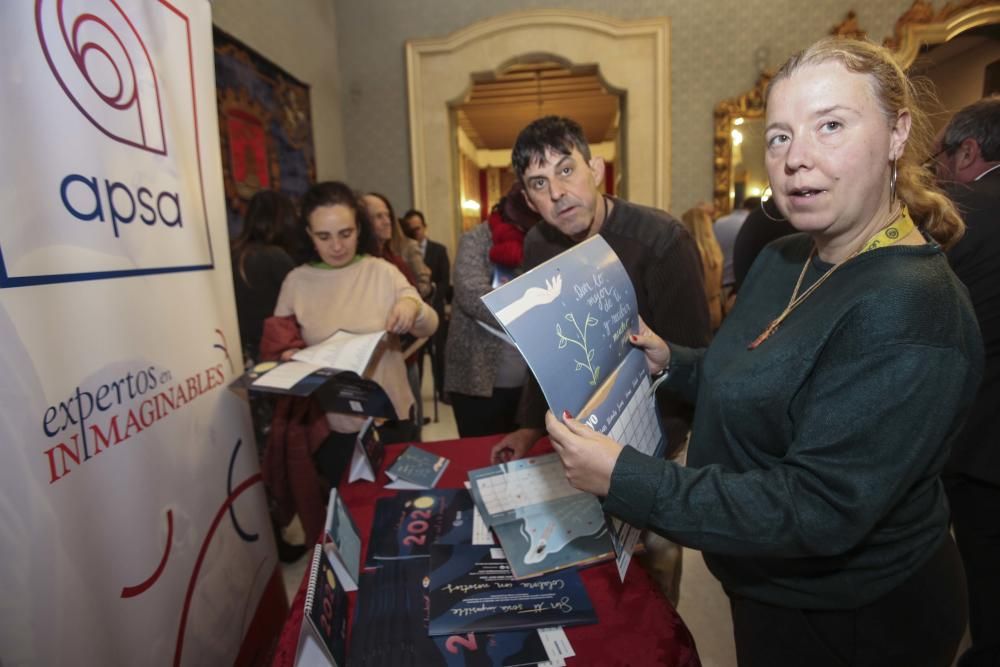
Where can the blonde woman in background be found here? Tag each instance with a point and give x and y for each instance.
(699, 225)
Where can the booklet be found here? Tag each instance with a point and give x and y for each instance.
(472, 590)
(570, 318)
(332, 372)
(405, 525)
(342, 542)
(368, 453)
(344, 350)
(542, 522)
(390, 628)
(323, 637)
(416, 469)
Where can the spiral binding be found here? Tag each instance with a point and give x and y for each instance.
(313, 573)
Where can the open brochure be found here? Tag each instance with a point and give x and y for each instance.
(571, 318)
(343, 350)
(542, 522)
(332, 372)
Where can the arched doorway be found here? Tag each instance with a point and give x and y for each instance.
(633, 56)
(497, 106)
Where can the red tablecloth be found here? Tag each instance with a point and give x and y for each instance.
(637, 625)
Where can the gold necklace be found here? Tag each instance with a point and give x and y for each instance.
(898, 229)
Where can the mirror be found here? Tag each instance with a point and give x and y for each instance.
(739, 148)
(962, 71)
(957, 49)
(921, 26)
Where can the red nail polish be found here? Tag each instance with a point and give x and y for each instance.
(567, 415)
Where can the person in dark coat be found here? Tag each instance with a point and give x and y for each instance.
(967, 163)
(436, 258)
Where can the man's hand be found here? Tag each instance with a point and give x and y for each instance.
(515, 445)
(287, 354)
(588, 456)
(402, 316)
(656, 349)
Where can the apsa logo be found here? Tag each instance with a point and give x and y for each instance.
(103, 65)
(101, 111)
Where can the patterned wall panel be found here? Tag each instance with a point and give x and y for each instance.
(300, 38)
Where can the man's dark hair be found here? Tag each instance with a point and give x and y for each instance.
(406, 216)
(980, 121)
(414, 212)
(553, 133)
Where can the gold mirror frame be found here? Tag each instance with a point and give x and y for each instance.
(919, 26)
(922, 25)
(748, 106)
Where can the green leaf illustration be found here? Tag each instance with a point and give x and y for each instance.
(564, 340)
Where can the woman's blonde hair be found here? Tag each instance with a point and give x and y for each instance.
(930, 208)
(699, 226)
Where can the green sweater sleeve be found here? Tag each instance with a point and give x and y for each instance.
(865, 437)
(685, 371)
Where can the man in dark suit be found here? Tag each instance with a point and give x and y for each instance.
(436, 258)
(967, 163)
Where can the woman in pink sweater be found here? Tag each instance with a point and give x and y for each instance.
(349, 289)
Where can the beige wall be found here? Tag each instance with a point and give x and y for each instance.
(714, 52)
(301, 37)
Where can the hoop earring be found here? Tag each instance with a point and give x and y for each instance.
(763, 209)
(892, 183)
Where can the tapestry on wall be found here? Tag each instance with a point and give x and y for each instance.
(265, 127)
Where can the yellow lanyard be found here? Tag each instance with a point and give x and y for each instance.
(899, 229)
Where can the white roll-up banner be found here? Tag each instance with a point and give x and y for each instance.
(133, 519)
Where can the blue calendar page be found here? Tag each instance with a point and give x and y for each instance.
(570, 318)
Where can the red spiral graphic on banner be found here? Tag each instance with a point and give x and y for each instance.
(221, 512)
(132, 591)
(102, 64)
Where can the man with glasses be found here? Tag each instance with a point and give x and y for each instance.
(967, 164)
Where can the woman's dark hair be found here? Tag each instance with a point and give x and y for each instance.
(331, 193)
(270, 220)
(513, 208)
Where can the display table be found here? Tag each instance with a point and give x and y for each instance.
(637, 624)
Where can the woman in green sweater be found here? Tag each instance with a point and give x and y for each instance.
(827, 403)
